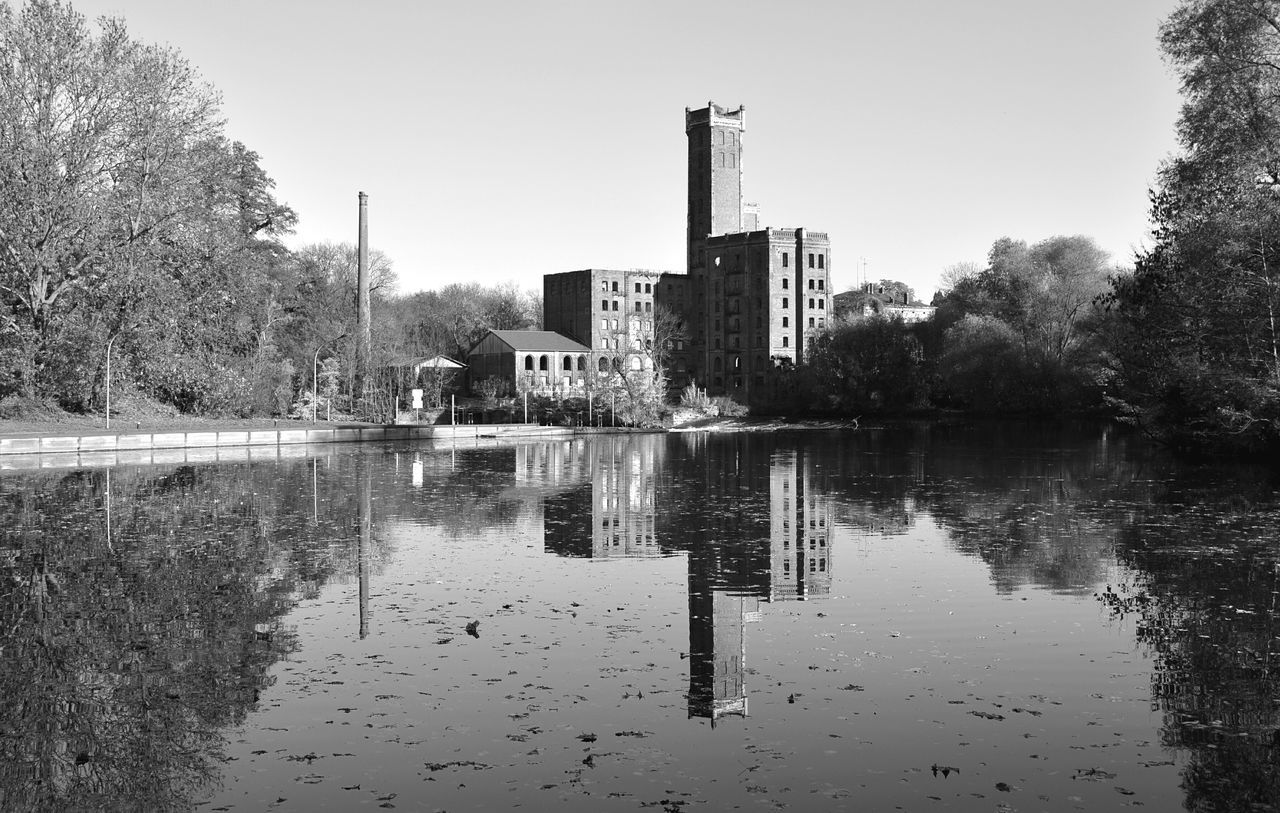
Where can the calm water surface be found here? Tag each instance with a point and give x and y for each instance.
(985, 618)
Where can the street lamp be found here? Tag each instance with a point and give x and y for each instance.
(110, 342)
(315, 375)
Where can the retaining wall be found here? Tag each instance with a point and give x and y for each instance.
(258, 444)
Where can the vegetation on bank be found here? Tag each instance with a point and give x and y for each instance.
(135, 235)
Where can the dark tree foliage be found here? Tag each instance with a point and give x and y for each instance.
(1022, 334)
(1197, 343)
(874, 364)
(127, 218)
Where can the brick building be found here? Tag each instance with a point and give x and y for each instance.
(618, 313)
(749, 299)
(756, 293)
(537, 361)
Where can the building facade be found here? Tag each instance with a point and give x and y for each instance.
(743, 311)
(756, 293)
(536, 361)
(622, 316)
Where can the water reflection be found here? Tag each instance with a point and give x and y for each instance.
(145, 611)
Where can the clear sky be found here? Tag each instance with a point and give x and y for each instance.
(499, 141)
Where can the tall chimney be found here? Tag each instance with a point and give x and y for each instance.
(363, 334)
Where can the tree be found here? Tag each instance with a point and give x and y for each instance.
(127, 216)
(870, 364)
(103, 143)
(1198, 350)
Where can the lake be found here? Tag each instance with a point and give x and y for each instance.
(966, 616)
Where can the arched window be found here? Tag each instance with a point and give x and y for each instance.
(715, 365)
(568, 362)
(582, 364)
(528, 362)
(542, 363)
(603, 365)
(635, 362)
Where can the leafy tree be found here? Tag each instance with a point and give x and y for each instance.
(1022, 332)
(1198, 349)
(870, 364)
(126, 214)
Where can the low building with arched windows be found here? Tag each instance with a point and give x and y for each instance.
(538, 361)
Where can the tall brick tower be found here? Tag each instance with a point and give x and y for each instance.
(715, 176)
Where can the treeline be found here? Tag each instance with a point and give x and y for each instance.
(1025, 333)
(130, 224)
(1185, 345)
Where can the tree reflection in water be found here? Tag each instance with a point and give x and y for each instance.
(125, 658)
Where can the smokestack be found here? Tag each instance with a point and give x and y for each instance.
(363, 334)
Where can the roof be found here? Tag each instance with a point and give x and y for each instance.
(538, 340)
(443, 362)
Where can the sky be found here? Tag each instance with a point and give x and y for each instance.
(500, 141)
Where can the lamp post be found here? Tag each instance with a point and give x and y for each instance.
(315, 375)
(110, 342)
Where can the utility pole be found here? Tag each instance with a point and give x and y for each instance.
(363, 334)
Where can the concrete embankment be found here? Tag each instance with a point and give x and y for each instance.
(61, 451)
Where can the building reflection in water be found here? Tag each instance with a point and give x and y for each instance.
(757, 530)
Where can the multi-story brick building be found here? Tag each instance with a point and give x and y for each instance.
(619, 315)
(756, 292)
(749, 299)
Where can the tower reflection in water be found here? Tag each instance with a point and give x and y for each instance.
(755, 528)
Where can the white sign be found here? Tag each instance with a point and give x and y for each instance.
(417, 398)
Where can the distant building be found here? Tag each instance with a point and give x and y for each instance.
(750, 299)
(887, 298)
(756, 292)
(617, 314)
(537, 361)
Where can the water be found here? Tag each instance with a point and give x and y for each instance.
(922, 617)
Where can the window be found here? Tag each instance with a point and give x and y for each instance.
(785, 341)
(811, 303)
(822, 260)
(786, 260)
(811, 261)
(822, 323)
(648, 288)
(810, 321)
(604, 304)
(604, 324)
(568, 363)
(786, 283)
(528, 362)
(604, 286)
(785, 321)
(637, 307)
(615, 324)
(615, 287)
(615, 304)
(785, 302)
(542, 363)
(637, 287)
(820, 265)
(582, 363)
(648, 307)
(604, 344)
(603, 365)
(812, 283)
(821, 303)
